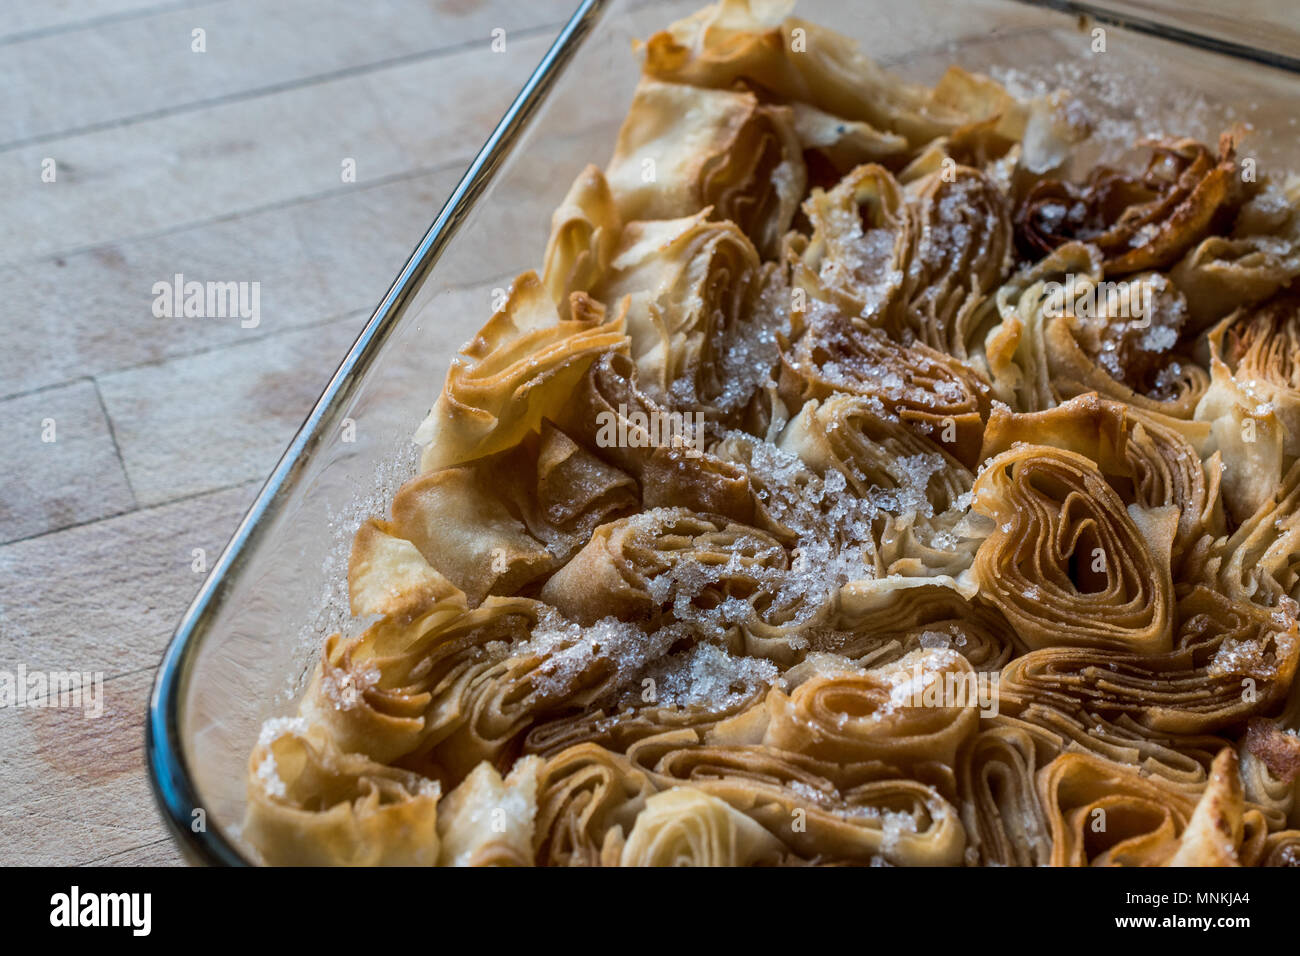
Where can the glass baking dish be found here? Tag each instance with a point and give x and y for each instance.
(246, 645)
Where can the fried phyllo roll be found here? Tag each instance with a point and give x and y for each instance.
(865, 481)
(1139, 222)
(702, 330)
(518, 370)
(311, 805)
(1066, 563)
(683, 150)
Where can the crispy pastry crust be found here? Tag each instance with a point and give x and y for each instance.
(851, 487)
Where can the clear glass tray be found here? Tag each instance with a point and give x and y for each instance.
(246, 645)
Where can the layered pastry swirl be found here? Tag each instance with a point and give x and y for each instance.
(860, 482)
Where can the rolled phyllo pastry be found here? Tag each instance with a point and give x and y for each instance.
(310, 804)
(1258, 258)
(1122, 341)
(919, 708)
(585, 231)
(698, 687)
(895, 820)
(882, 625)
(1058, 329)
(701, 335)
(1247, 434)
(961, 251)
(683, 149)
(730, 43)
(857, 436)
(1261, 348)
(1005, 821)
(683, 826)
(915, 488)
(1260, 561)
(1106, 814)
(1272, 789)
(858, 254)
(1140, 222)
(1152, 461)
(1270, 760)
(1217, 828)
(488, 821)
(506, 691)
(1172, 469)
(1215, 679)
(1103, 814)
(495, 524)
(588, 799)
(397, 689)
(1066, 563)
(935, 395)
(665, 561)
(519, 369)
(387, 575)
(1182, 759)
(664, 449)
(1008, 335)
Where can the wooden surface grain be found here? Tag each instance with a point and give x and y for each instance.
(223, 165)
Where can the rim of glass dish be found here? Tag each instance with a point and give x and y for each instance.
(1137, 23)
(169, 772)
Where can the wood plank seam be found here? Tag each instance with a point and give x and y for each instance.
(288, 86)
(137, 510)
(385, 180)
(94, 23)
(204, 350)
(117, 449)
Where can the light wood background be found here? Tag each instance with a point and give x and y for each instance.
(225, 166)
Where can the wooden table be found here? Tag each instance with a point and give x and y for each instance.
(225, 165)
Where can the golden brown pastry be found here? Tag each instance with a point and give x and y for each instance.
(1142, 222)
(683, 150)
(1066, 562)
(585, 231)
(517, 371)
(729, 44)
(661, 562)
(1104, 815)
(936, 395)
(1005, 821)
(857, 256)
(494, 524)
(700, 334)
(487, 821)
(962, 243)
(861, 482)
(311, 805)
(687, 827)
(586, 795)
(1260, 257)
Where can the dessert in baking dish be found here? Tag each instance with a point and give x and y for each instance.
(857, 483)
